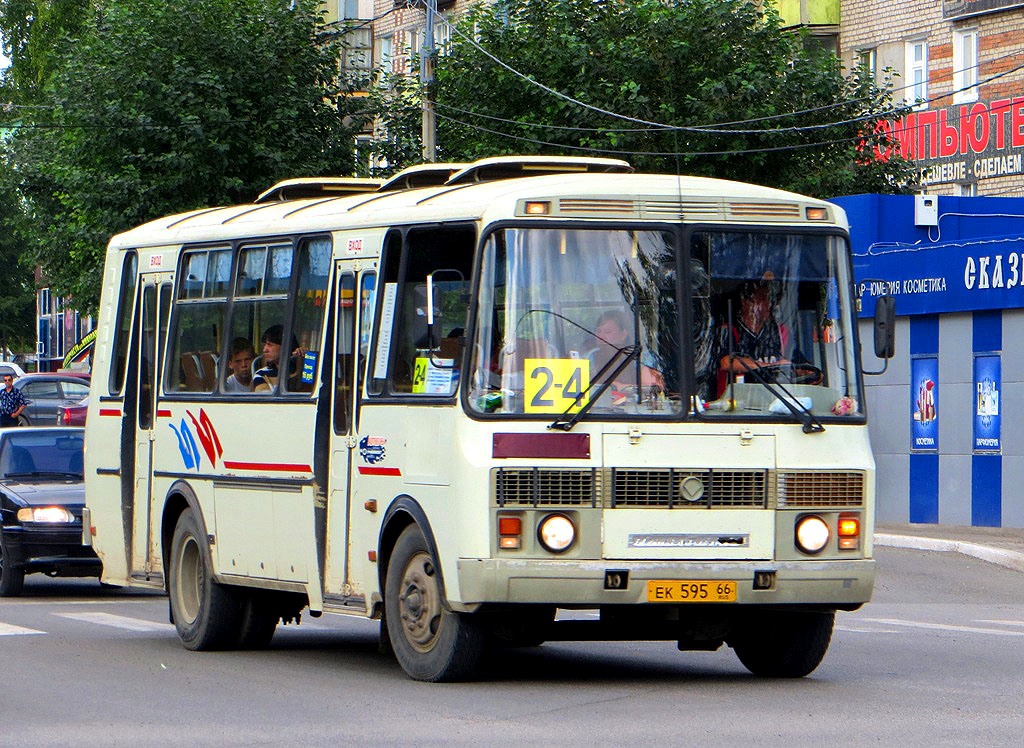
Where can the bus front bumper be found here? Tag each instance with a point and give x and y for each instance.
(843, 584)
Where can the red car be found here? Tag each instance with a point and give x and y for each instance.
(73, 415)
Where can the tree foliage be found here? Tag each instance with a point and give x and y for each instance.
(685, 63)
(163, 107)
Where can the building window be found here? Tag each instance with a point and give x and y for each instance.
(867, 60)
(969, 189)
(965, 65)
(385, 53)
(916, 72)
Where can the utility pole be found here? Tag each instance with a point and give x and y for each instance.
(427, 80)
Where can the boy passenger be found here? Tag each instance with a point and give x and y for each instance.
(240, 364)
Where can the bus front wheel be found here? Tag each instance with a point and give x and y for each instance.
(207, 615)
(431, 642)
(784, 644)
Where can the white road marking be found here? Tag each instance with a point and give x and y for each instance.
(120, 622)
(852, 630)
(943, 627)
(9, 629)
(999, 622)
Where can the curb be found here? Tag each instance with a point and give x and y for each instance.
(1001, 556)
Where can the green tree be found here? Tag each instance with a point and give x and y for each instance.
(684, 63)
(34, 33)
(165, 107)
(17, 290)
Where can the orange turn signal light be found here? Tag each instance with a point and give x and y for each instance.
(538, 208)
(816, 214)
(510, 530)
(849, 532)
(849, 527)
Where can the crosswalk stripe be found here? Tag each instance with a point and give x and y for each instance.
(120, 622)
(9, 629)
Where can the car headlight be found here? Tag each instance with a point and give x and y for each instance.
(556, 533)
(52, 514)
(812, 534)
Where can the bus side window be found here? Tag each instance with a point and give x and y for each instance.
(426, 362)
(314, 264)
(123, 323)
(345, 352)
(199, 311)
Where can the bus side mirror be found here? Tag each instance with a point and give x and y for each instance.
(885, 327)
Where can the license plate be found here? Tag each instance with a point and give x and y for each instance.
(690, 591)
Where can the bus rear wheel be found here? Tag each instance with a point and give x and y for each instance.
(784, 644)
(431, 642)
(207, 615)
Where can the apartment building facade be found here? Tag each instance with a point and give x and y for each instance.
(957, 63)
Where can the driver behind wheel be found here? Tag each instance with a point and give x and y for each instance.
(750, 339)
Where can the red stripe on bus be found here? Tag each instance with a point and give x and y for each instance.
(367, 470)
(110, 412)
(164, 414)
(277, 467)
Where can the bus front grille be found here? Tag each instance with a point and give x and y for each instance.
(689, 489)
(547, 487)
(658, 488)
(820, 489)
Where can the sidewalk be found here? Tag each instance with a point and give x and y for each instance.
(1002, 546)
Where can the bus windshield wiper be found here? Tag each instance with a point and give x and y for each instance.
(606, 375)
(811, 425)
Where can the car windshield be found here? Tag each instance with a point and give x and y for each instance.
(774, 328)
(29, 453)
(564, 311)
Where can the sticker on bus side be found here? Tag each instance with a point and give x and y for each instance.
(555, 385)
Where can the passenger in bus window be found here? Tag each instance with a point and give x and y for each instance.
(614, 333)
(265, 379)
(240, 364)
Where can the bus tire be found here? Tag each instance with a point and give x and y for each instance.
(207, 615)
(783, 644)
(431, 642)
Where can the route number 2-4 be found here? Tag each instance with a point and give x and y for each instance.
(555, 385)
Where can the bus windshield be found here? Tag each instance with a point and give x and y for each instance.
(774, 328)
(572, 319)
(562, 312)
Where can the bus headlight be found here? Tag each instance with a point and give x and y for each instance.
(556, 533)
(812, 534)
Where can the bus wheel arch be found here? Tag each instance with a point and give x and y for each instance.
(430, 641)
(180, 497)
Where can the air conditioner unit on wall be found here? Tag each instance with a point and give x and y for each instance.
(926, 210)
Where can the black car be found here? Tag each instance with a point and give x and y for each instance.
(41, 498)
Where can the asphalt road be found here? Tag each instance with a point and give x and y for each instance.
(936, 659)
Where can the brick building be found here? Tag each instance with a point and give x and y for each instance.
(958, 57)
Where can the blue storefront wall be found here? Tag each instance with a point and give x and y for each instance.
(944, 452)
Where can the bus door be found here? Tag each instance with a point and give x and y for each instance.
(353, 311)
(141, 408)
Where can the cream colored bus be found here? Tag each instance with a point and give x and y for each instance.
(471, 409)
